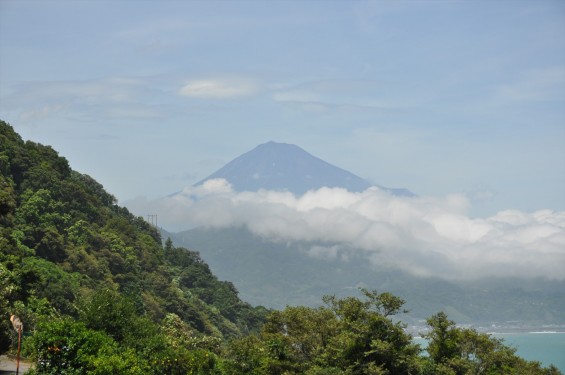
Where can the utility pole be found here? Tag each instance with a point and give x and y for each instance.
(18, 326)
(152, 219)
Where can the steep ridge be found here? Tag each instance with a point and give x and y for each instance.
(63, 238)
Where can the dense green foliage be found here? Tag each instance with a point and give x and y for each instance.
(359, 336)
(455, 351)
(62, 237)
(100, 294)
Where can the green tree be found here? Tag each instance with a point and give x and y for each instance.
(245, 355)
(8, 202)
(464, 351)
(8, 287)
(369, 341)
(68, 347)
(349, 336)
(443, 338)
(307, 330)
(107, 310)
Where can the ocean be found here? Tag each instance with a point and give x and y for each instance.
(545, 347)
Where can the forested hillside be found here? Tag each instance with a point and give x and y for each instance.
(98, 293)
(66, 245)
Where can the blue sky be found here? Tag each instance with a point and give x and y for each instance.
(439, 97)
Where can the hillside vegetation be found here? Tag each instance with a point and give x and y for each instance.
(99, 293)
(67, 250)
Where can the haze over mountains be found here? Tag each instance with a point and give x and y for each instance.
(277, 274)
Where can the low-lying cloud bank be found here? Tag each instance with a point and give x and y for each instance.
(423, 235)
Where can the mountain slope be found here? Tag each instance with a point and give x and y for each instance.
(62, 237)
(282, 166)
(277, 274)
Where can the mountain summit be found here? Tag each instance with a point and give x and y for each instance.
(283, 166)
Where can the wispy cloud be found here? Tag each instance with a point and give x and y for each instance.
(39, 113)
(112, 97)
(423, 235)
(113, 89)
(216, 88)
(534, 86)
(335, 94)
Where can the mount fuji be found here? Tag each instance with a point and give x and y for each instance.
(287, 167)
(276, 273)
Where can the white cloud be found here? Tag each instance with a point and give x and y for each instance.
(337, 94)
(219, 88)
(424, 235)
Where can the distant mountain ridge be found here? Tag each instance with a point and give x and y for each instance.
(277, 274)
(283, 166)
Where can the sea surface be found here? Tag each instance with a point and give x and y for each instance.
(545, 347)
